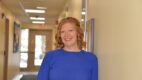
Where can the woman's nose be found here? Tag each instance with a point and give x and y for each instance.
(66, 33)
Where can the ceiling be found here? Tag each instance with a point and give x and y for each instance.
(54, 8)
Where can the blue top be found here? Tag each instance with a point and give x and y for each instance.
(67, 65)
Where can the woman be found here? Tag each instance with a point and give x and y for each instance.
(69, 61)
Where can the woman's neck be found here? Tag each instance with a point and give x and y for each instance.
(71, 48)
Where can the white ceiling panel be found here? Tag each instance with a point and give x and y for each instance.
(54, 8)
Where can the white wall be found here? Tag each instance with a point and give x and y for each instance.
(118, 38)
(13, 59)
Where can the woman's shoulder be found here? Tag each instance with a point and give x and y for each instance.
(53, 52)
(90, 55)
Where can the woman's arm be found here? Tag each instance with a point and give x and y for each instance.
(95, 69)
(43, 73)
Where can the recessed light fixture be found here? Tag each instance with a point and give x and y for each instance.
(41, 7)
(34, 11)
(37, 18)
(83, 12)
(82, 20)
(38, 22)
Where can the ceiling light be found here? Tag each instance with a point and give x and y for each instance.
(41, 7)
(38, 22)
(83, 12)
(34, 11)
(37, 18)
(82, 20)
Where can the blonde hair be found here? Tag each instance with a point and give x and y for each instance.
(59, 43)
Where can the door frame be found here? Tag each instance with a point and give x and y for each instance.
(30, 61)
(6, 48)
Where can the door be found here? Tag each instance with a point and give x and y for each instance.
(40, 41)
(4, 28)
(6, 48)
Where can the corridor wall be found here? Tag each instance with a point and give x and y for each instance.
(2, 30)
(13, 59)
(118, 40)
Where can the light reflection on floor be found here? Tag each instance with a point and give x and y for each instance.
(19, 76)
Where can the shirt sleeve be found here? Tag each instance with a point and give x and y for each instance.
(95, 69)
(43, 73)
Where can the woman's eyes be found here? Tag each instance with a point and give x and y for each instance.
(62, 31)
(67, 31)
(71, 30)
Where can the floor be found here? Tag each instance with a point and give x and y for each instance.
(26, 76)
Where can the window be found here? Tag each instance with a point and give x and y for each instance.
(40, 47)
(24, 48)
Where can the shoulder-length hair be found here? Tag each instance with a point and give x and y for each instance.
(80, 35)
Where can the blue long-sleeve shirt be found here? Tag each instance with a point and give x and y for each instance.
(65, 65)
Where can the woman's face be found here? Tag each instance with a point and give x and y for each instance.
(69, 35)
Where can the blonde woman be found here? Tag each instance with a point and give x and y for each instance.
(69, 61)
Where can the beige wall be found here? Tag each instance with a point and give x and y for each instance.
(13, 59)
(118, 39)
(74, 9)
(2, 31)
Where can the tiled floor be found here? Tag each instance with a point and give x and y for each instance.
(19, 76)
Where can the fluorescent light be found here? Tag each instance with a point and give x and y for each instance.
(38, 22)
(34, 11)
(41, 7)
(83, 12)
(37, 18)
(82, 20)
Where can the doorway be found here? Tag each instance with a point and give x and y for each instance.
(39, 42)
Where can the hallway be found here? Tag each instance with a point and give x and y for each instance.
(27, 32)
(112, 30)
